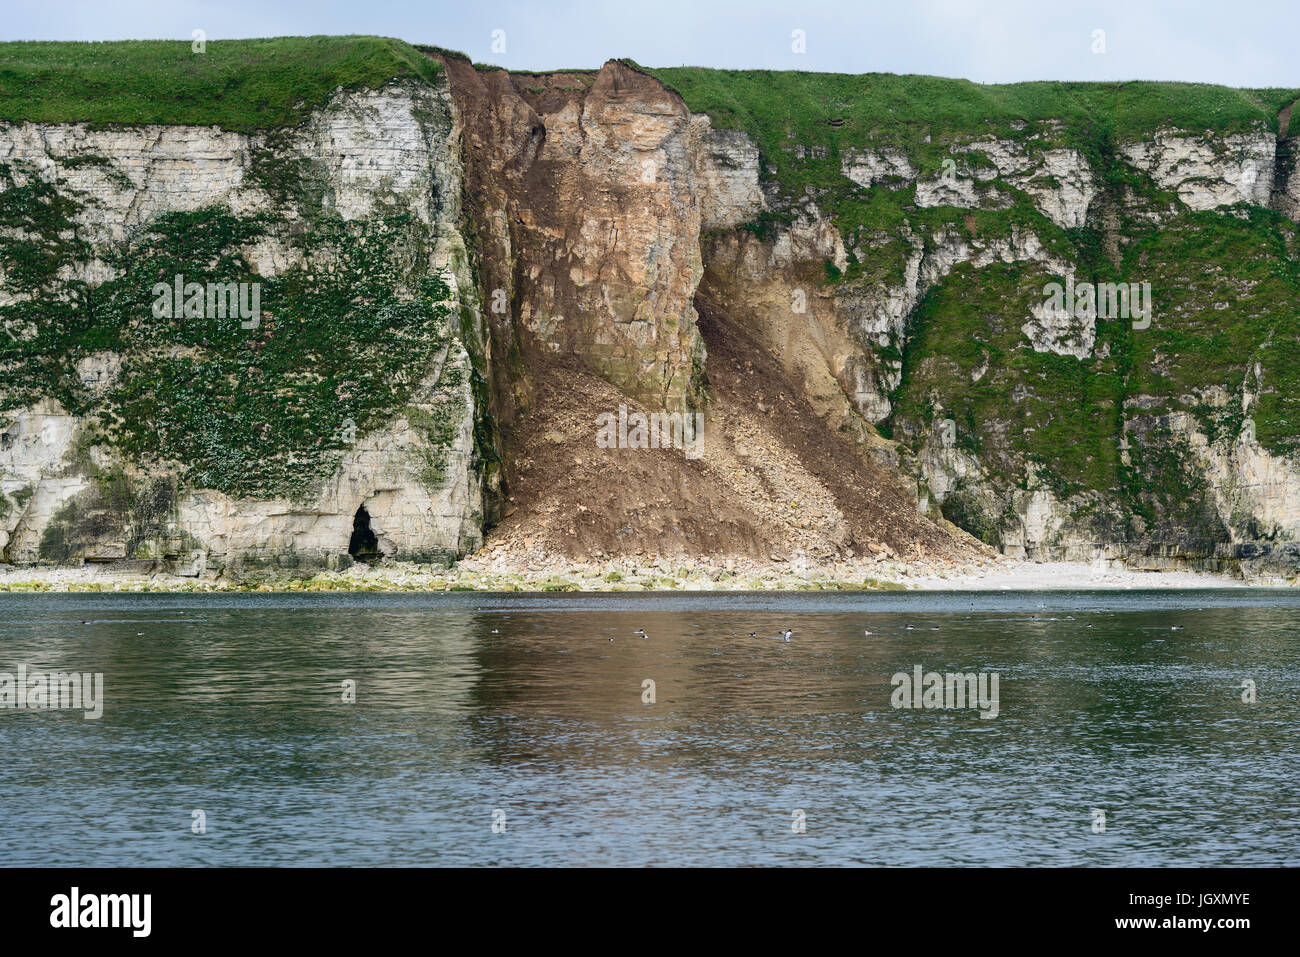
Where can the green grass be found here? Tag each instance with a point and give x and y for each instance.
(838, 109)
(241, 85)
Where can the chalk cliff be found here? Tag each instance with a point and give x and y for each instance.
(217, 491)
(459, 270)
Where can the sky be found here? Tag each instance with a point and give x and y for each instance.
(1248, 43)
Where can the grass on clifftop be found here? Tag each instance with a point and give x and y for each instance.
(853, 103)
(240, 85)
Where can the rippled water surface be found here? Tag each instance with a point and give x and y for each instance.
(468, 704)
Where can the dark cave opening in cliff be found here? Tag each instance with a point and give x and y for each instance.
(364, 546)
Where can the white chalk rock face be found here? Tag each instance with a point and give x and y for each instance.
(867, 167)
(149, 170)
(960, 190)
(35, 482)
(1059, 181)
(1057, 330)
(727, 173)
(1256, 493)
(1208, 171)
(374, 152)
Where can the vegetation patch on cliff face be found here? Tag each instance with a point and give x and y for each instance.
(288, 178)
(440, 422)
(37, 234)
(1223, 345)
(1228, 316)
(241, 85)
(262, 406)
(969, 362)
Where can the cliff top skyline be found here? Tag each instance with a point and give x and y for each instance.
(265, 82)
(990, 42)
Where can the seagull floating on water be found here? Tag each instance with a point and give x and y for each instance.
(640, 633)
(784, 636)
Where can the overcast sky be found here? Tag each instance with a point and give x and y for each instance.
(1242, 43)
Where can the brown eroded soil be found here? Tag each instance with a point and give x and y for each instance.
(773, 481)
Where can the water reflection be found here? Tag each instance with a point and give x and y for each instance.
(466, 704)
